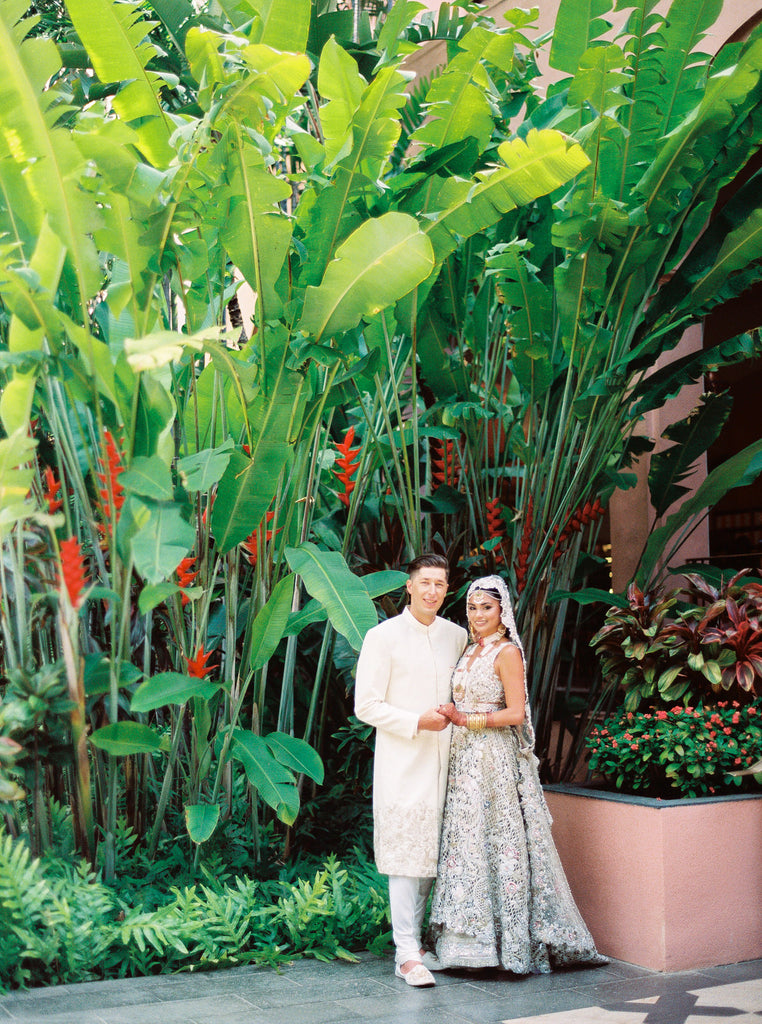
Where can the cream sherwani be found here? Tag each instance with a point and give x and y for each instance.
(405, 668)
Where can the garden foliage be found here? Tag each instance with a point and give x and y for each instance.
(458, 290)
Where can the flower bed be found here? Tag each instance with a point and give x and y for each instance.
(684, 751)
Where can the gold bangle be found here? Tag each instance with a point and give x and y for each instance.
(476, 721)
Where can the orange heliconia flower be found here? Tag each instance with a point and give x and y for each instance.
(185, 575)
(522, 562)
(52, 490)
(197, 667)
(347, 466)
(73, 578)
(251, 544)
(495, 526)
(111, 491)
(445, 462)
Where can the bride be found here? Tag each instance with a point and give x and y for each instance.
(501, 898)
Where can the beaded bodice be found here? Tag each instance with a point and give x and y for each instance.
(478, 688)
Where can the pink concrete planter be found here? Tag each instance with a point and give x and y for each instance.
(665, 884)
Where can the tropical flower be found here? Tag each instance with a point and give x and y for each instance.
(347, 464)
(73, 578)
(251, 544)
(197, 667)
(185, 575)
(445, 463)
(52, 491)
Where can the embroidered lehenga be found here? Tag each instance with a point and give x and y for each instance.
(501, 897)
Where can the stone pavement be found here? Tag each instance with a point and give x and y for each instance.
(306, 992)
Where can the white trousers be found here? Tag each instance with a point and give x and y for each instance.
(407, 902)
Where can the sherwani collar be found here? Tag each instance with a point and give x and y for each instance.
(416, 624)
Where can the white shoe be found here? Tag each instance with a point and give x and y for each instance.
(418, 976)
(431, 961)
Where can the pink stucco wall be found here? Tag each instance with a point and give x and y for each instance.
(666, 885)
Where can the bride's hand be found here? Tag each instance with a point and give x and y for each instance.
(451, 712)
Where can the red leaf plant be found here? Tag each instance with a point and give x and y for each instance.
(197, 666)
(347, 464)
(73, 577)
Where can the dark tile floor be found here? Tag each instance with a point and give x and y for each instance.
(307, 992)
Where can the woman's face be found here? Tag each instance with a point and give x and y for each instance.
(483, 613)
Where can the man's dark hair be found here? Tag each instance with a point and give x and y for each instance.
(429, 560)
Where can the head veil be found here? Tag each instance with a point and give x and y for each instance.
(506, 617)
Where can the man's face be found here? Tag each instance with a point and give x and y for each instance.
(427, 589)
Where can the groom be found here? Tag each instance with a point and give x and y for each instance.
(403, 675)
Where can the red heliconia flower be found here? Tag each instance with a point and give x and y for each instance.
(583, 516)
(495, 525)
(197, 667)
(445, 462)
(251, 544)
(185, 575)
(522, 562)
(111, 491)
(347, 465)
(52, 490)
(73, 577)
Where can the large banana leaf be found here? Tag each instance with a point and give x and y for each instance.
(249, 483)
(269, 627)
(384, 259)
(282, 24)
(16, 475)
(33, 145)
(170, 688)
(578, 24)
(116, 37)
(328, 578)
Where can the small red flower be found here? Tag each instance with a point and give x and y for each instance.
(52, 490)
(197, 667)
(347, 463)
(73, 577)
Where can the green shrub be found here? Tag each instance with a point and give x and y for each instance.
(683, 751)
(61, 923)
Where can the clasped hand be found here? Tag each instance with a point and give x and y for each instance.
(450, 712)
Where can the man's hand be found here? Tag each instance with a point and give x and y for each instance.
(452, 714)
(432, 721)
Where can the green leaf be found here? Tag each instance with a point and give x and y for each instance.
(271, 779)
(148, 477)
(97, 676)
(591, 595)
(328, 578)
(201, 821)
(312, 612)
(296, 754)
(269, 627)
(738, 471)
(116, 37)
(578, 24)
(283, 24)
(384, 582)
(199, 472)
(692, 437)
(170, 688)
(159, 546)
(156, 594)
(382, 260)
(123, 738)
